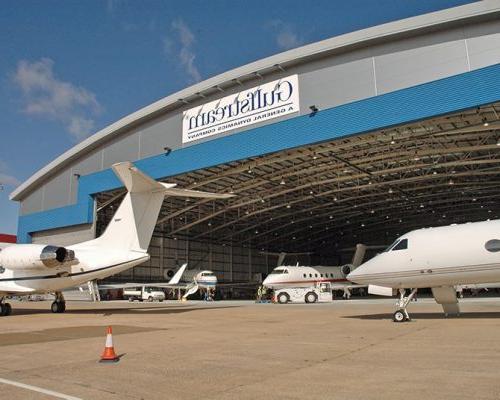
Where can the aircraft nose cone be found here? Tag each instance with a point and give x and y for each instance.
(353, 276)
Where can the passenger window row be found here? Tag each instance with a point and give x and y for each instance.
(322, 275)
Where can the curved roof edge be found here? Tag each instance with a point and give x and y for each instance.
(339, 43)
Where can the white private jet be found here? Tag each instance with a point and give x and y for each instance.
(35, 268)
(439, 258)
(189, 280)
(302, 276)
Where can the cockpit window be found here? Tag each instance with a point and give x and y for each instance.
(207, 274)
(402, 245)
(391, 246)
(279, 271)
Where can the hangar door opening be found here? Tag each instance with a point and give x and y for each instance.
(325, 198)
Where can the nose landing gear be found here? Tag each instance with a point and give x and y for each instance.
(401, 315)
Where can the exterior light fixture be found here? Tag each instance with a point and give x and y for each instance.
(282, 181)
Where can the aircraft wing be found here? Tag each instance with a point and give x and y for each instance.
(173, 283)
(339, 286)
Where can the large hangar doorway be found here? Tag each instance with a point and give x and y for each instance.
(325, 198)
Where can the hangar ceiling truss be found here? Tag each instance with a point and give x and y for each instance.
(365, 188)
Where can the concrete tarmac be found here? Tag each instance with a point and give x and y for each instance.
(242, 350)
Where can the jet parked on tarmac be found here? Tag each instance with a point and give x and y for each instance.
(36, 268)
(439, 258)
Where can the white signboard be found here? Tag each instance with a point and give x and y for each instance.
(261, 103)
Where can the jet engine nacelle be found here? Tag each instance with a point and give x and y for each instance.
(346, 269)
(33, 256)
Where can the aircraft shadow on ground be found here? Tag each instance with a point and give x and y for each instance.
(436, 315)
(120, 311)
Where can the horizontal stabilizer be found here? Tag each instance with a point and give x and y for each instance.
(170, 191)
(379, 290)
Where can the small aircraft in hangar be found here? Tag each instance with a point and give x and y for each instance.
(300, 276)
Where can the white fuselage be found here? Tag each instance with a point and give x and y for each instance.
(91, 263)
(432, 257)
(301, 277)
(204, 278)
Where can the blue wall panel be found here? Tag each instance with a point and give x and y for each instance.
(459, 92)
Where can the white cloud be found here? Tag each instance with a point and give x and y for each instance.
(6, 178)
(285, 37)
(181, 46)
(49, 97)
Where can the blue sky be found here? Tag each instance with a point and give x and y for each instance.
(69, 68)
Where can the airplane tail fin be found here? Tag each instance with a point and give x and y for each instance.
(359, 255)
(132, 225)
(178, 275)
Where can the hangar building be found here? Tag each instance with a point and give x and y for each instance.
(357, 138)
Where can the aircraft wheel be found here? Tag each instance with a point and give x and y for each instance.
(58, 307)
(283, 298)
(5, 309)
(311, 297)
(399, 316)
(150, 299)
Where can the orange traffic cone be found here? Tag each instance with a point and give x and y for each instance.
(109, 354)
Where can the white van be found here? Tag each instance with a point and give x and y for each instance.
(144, 293)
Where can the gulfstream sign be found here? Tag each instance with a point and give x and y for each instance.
(270, 100)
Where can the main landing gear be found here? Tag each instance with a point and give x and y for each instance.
(5, 308)
(401, 315)
(59, 305)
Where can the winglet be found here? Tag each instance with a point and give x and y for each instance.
(178, 275)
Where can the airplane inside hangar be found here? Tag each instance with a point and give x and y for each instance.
(326, 198)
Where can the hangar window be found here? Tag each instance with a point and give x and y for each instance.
(402, 245)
